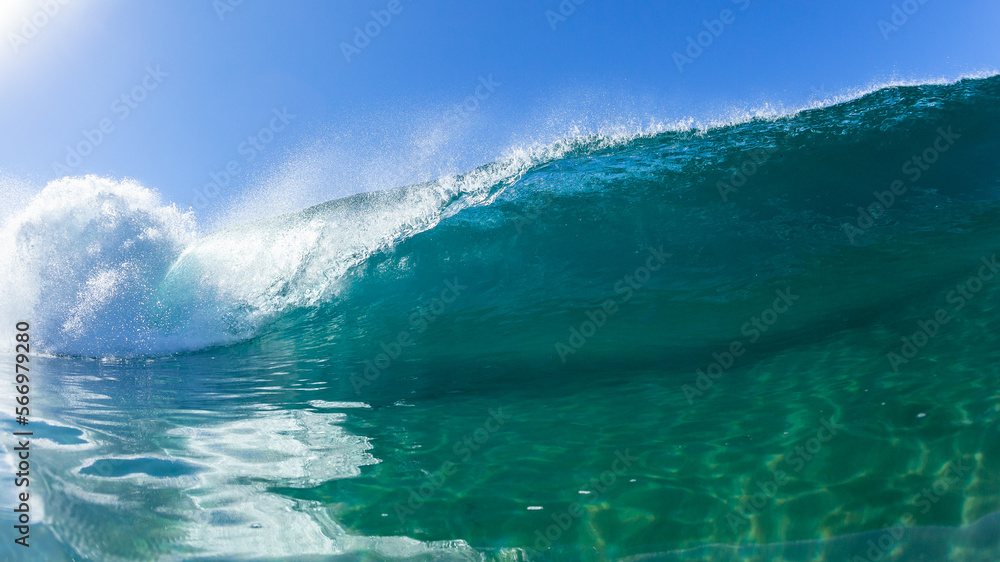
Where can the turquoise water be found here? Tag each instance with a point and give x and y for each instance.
(657, 347)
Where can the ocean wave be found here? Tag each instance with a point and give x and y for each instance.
(105, 268)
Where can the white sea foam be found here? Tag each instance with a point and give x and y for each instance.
(80, 261)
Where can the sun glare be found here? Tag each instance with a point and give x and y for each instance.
(22, 21)
(13, 12)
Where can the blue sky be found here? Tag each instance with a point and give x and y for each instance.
(265, 88)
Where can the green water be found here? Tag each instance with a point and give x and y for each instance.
(589, 355)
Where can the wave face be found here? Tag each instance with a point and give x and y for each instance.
(109, 270)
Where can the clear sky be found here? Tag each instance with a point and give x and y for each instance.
(312, 100)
